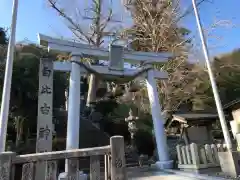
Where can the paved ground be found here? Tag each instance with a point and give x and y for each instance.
(161, 176)
(154, 174)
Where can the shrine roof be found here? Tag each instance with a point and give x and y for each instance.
(232, 105)
(193, 118)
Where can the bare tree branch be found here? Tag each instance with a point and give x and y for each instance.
(94, 34)
(156, 29)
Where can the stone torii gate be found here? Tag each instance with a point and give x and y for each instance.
(117, 56)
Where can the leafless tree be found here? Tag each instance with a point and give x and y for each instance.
(93, 32)
(156, 28)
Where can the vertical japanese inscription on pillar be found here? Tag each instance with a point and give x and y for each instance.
(44, 120)
(45, 96)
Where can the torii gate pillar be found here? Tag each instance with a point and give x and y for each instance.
(160, 135)
(73, 125)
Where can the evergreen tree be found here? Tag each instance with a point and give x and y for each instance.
(3, 36)
(3, 44)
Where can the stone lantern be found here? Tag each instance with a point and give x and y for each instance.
(132, 126)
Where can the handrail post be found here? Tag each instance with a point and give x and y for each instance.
(118, 167)
(6, 164)
(109, 167)
(106, 165)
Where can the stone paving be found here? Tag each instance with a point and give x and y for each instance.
(147, 173)
(161, 176)
(153, 174)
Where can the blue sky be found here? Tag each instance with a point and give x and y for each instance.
(35, 16)
(224, 10)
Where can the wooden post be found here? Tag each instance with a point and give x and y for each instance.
(109, 167)
(106, 167)
(73, 168)
(94, 168)
(13, 169)
(51, 171)
(184, 154)
(215, 153)
(6, 164)
(194, 154)
(189, 160)
(209, 153)
(118, 167)
(179, 154)
(28, 171)
(203, 156)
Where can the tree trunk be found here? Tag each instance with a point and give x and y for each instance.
(92, 89)
(19, 132)
(27, 140)
(93, 82)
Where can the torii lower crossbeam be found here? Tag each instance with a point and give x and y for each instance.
(66, 66)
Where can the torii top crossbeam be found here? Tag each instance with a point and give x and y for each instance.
(132, 57)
